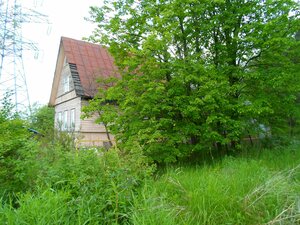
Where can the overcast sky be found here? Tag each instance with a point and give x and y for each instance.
(67, 19)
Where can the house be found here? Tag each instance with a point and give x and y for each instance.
(78, 66)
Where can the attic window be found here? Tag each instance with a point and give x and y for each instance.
(66, 83)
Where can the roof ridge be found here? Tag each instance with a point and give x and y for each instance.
(82, 41)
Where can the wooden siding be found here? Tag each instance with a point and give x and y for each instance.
(92, 139)
(92, 134)
(89, 125)
(66, 97)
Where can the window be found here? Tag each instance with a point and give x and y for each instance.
(65, 123)
(59, 119)
(72, 119)
(66, 83)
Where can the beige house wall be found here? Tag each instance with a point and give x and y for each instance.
(89, 124)
(87, 132)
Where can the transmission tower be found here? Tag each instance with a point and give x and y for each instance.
(12, 44)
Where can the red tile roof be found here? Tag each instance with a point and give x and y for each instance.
(92, 61)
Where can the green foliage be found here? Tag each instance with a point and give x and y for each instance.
(42, 119)
(198, 74)
(80, 187)
(46, 180)
(17, 153)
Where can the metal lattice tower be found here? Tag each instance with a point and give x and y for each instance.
(12, 45)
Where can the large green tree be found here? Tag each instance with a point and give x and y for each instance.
(197, 74)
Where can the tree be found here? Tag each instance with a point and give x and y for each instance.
(197, 74)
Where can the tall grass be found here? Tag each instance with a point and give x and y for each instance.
(48, 207)
(259, 188)
(79, 187)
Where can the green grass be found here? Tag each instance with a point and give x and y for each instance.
(254, 188)
(45, 208)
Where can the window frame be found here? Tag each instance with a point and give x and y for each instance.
(72, 118)
(65, 120)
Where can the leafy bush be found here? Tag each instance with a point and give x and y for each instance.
(99, 185)
(42, 119)
(17, 156)
(81, 187)
(18, 150)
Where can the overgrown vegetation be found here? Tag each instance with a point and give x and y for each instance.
(79, 188)
(260, 186)
(206, 117)
(51, 183)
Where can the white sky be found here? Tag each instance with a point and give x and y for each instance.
(67, 19)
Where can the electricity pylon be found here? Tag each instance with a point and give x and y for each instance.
(12, 44)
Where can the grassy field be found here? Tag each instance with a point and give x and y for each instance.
(258, 187)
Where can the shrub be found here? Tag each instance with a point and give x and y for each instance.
(100, 187)
(17, 154)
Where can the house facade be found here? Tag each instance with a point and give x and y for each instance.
(79, 65)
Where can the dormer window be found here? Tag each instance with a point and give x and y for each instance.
(66, 83)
